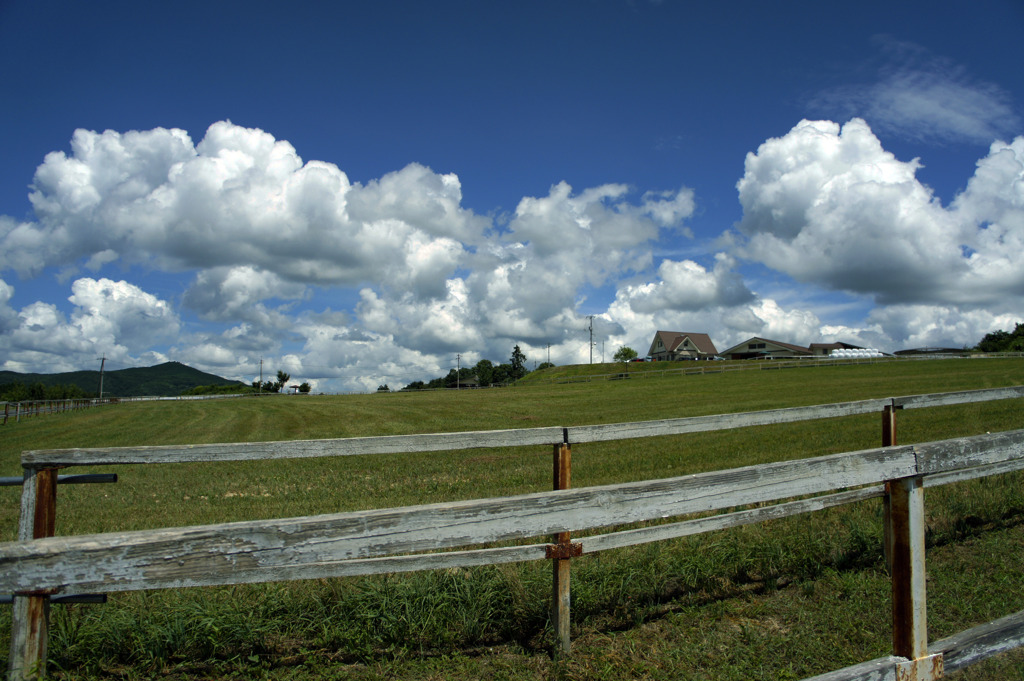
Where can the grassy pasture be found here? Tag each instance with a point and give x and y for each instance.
(785, 599)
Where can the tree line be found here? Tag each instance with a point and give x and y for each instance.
(19, 392)
(1004, 341)
(484, 373)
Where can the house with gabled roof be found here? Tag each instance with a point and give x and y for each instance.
(765, 348)
(669, 346)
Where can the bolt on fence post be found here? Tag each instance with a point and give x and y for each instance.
(30, 616)
(560, 595)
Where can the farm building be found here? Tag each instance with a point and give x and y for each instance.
(827, 348)
(764, 348)
(669, 346)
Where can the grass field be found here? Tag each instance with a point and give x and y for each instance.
(786, 599)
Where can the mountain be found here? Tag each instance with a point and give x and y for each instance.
(170, 378)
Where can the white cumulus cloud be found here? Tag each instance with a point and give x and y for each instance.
(828, 205)
(114, 319)
(349, 285)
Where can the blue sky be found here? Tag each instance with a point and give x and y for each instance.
(360, 194)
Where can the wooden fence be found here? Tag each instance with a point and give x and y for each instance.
(18, 410)
(399, 539)
(666, 369)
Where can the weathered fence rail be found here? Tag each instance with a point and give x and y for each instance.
(399, 539)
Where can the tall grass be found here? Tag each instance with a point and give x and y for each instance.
(450, 623)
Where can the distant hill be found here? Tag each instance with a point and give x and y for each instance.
(169, 379)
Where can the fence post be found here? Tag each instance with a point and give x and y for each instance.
(561, 553)
(909, 601)
(888, 440)
(30, 614)
(889, 424)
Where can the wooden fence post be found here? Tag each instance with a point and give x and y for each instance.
(889, 425)
(909, 601)
(561, 553)
(888, 440)
(30, 615)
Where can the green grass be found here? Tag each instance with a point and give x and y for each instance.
(785, 599)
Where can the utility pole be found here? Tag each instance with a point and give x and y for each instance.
(591, 318)
(103, 361)
(259, 389)
(549, 353)
(458, 370)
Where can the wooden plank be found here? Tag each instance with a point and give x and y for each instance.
(623, 431)
(960, 397)
(29, 638)
(292, 449)
(30, 615)
(981, 642)
(394, 564)
(596, 543)
(645, 535)
(27, 518)
(974, 473)
(967, 452)
(881, 669)
(258, 550)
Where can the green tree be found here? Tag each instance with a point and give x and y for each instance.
(501, 374)
(37, 391)
(484, 372)
(304, 388)
(282, 380)
(518, 363)
(14, 392)
(1004, 341)
(624, 354)
(545, 365)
